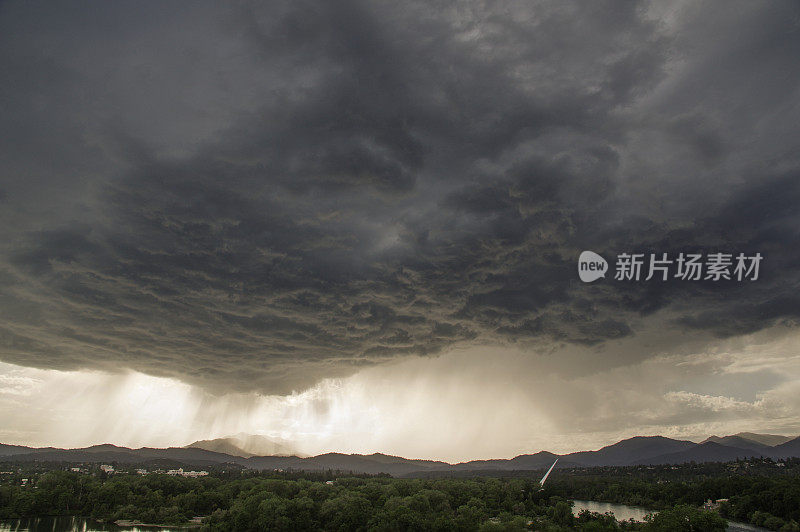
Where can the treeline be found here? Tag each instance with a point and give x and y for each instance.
(376, 503)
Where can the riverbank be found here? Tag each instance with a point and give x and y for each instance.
(138, 524)
(624, 512)
(86, 524)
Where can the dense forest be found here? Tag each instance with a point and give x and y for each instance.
(244, 500)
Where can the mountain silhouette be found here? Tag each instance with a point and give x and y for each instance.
(639, 450)
(246, 445)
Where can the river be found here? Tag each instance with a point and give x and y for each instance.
(74, 524)
(623, 512)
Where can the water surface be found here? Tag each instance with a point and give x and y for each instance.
(73, 524)
(622, 512)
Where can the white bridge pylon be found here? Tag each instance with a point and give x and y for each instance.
(541, 482)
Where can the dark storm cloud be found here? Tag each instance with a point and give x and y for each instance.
(259, 196)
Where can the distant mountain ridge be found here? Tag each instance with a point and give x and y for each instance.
(247, 445)
(708, 451)
(639, 450)
(736, 441)
(749, 440)
(767, 439)
(626, 452)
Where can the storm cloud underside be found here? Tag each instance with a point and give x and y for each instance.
(256, 197)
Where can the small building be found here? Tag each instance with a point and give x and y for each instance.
(106, 468)
(181, 473)
(713, 505)
(141, 471)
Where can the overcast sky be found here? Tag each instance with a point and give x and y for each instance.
(356, 225)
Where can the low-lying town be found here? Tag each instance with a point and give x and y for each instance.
(109, 469)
